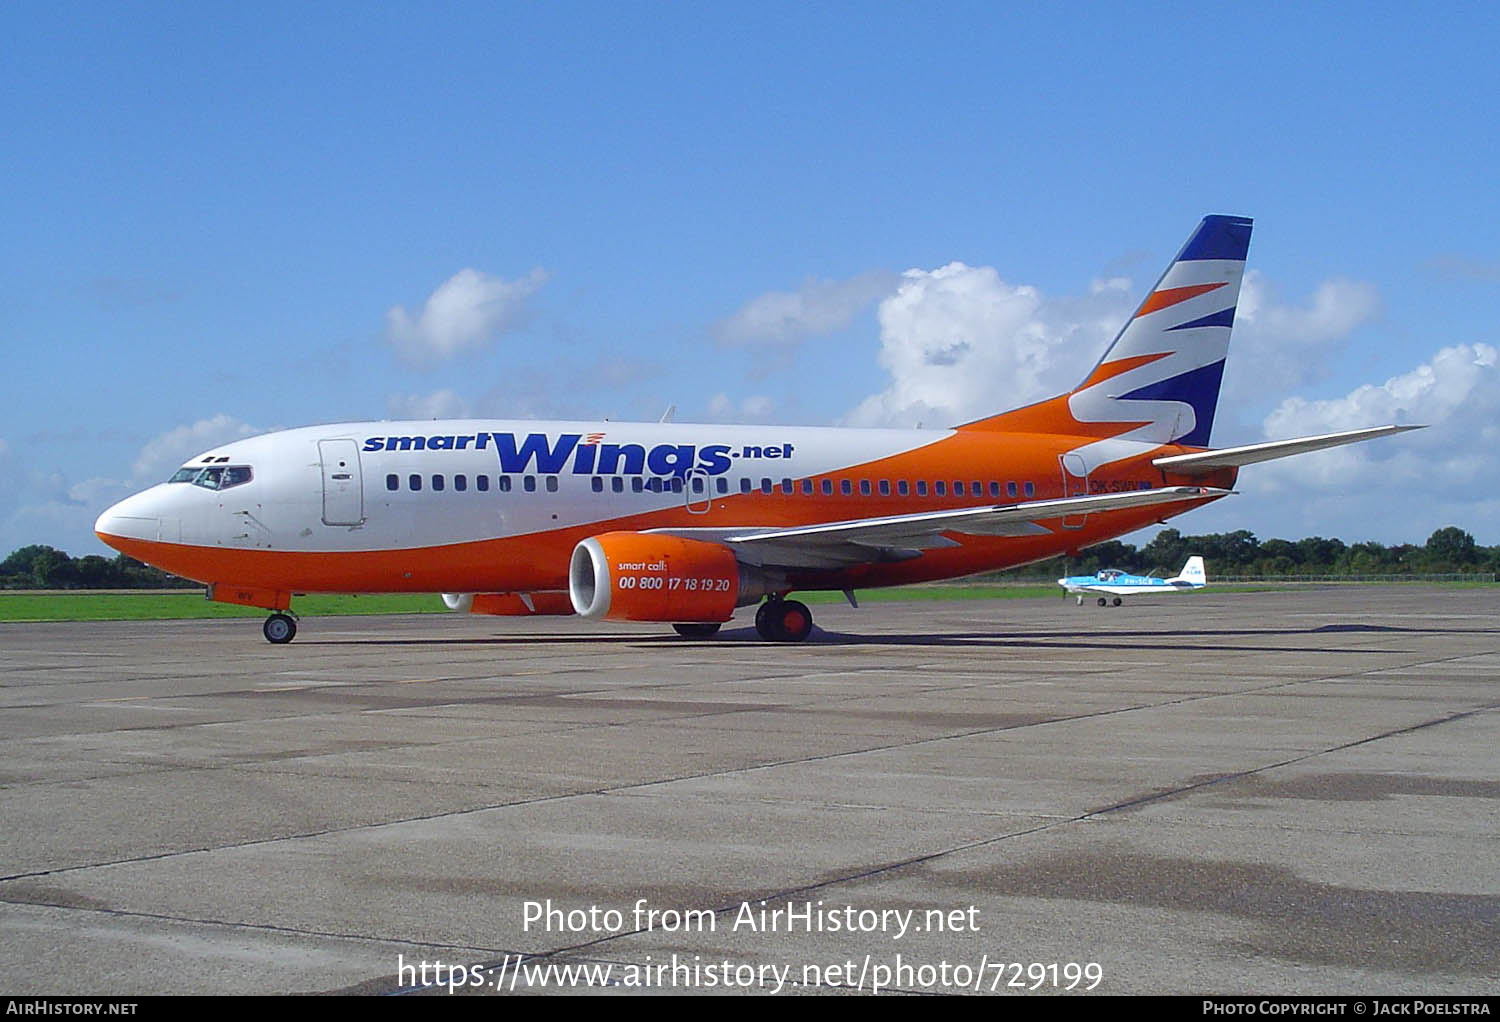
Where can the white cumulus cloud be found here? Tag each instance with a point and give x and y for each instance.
(1401, 487)
(467, 311)
(960, 343)
(1277, 346)
(818, 307)
(169, 450)
(1457, 380)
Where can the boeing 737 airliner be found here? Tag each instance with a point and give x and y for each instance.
(683, 524)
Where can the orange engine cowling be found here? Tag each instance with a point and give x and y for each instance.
(639, 576)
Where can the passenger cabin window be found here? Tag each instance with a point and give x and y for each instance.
(903, 488)
(722, 485)
(994, 489)
(505, 484)
(827, 487)
(1010, 489)
(864, 487)
(1031, 489)
(393, 482)
(437, 482)
(460, 483)
(921, 487)
(846, 487)
(414, 482)
(940, 488)
(482, 484)
(885, 487)
(617, 485)
(528, 483)
(552, 484)
(597, 483)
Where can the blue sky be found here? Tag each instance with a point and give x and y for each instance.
(223, 221)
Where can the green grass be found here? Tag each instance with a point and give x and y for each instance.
(148, 605)
(1024, 591)
(158, 605)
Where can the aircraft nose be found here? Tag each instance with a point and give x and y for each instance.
(132, 518)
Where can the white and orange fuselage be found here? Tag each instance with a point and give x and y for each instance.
(434, 507)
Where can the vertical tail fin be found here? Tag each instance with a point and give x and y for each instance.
(1158, 381)
(1192, 573)
(1163, 369)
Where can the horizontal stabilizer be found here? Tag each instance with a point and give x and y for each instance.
(1233, 457)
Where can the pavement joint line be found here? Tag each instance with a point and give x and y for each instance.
(126, 913)
(917, 860)
(780, 894)
(639, 785)
(665, 720)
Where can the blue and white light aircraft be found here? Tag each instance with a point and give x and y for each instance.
(1111, 585)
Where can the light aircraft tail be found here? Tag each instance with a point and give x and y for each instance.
(1192, 574)
(1158, 381)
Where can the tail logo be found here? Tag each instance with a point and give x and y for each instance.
(1160, 378)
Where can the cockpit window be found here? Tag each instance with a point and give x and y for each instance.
(214, 477)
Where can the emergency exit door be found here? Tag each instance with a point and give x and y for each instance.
(1075, 477)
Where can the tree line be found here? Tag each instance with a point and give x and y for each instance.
(1449, 550)
(45, 567)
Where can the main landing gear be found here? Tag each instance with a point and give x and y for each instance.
(279, 628)
(779, 620)
(1104, 602)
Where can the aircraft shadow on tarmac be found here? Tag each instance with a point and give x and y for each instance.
(1193, 640)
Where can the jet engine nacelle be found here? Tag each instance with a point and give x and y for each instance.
(641, 576)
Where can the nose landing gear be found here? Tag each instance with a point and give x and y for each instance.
(279, 628)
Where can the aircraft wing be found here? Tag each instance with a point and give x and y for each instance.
(1103, 590)
(903, 537)
(1107, 589)
(1233, 457)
